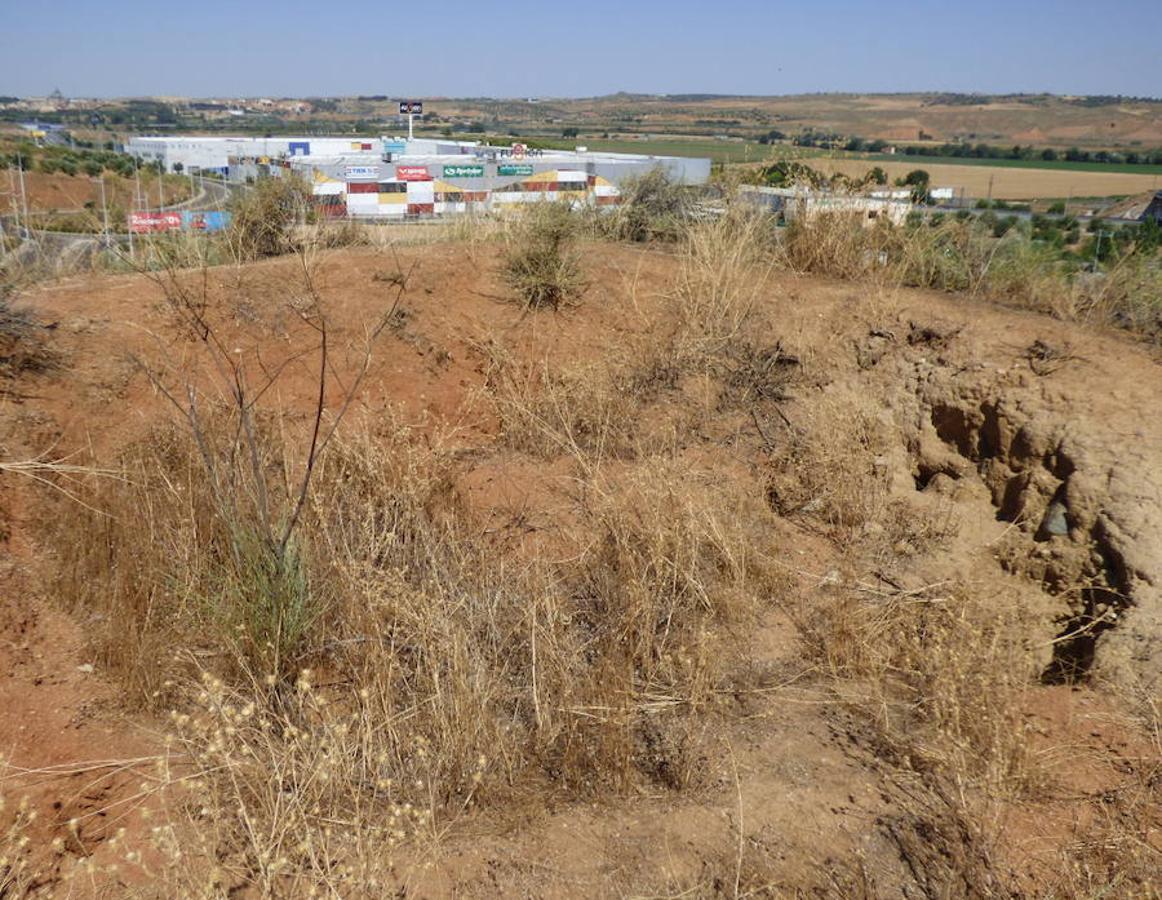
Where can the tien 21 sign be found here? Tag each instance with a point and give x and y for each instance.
(463, 171)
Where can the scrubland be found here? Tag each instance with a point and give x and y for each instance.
(639, 555)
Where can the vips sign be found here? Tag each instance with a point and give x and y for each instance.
(412, 173)
(411, 107)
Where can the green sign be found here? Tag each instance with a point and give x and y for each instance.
(463, 171)
(514, 170)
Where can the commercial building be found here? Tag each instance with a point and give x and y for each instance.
(397, 178)
(807, 204)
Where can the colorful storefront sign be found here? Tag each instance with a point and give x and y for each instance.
(463, 171)
(413, 173)
(154, 222)
(514, 170)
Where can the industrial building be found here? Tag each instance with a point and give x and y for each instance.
(806, 204)
(401, 177)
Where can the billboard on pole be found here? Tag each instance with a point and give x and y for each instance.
(411, 107)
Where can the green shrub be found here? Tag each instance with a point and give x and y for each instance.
(265, 218)
(540, 264)
(653, 207)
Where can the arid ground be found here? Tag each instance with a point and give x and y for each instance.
(720, 581)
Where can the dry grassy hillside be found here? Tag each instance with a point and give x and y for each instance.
(386, 570)
(1038, 120)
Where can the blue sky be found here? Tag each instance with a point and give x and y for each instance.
(551, 48)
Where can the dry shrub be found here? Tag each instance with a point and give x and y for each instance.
(159, 561)
(23, 346)
(540, 264)
(582, 410)
(940, 671)
(442, 674)
(832, 468)
(266, 217)
(724, 268)
(836, 244)
(965, 257)
(653, 207)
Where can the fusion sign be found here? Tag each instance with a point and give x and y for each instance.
(463, 171)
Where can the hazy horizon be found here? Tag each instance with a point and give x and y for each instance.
(458, 49)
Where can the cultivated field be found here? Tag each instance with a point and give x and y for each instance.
(1006, 183)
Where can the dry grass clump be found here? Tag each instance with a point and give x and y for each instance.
(586, 411)
(23, 346)
(540, 264)
(832, 468)
(941, 672)
(836, 244)
(443, 674)
(965, 256)
(17, 875)
(724, 268)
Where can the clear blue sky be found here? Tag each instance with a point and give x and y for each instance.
(555, 48)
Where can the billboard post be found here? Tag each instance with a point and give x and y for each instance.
(411, 109)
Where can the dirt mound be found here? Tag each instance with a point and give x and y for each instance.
(915, 458)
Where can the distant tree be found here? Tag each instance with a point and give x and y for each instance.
(178, 168)
(918, 180)
(1049, 155)
(569, 132)
(877, 176)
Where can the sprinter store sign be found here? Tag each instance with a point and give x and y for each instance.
(463, 171)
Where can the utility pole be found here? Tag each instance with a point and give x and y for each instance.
(23, 196)
(104, 209)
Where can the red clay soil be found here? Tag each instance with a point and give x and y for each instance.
(793, 787)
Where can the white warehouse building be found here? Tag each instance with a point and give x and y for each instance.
(398, 177)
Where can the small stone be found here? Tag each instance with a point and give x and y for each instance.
(1055, 521)
(85, 668)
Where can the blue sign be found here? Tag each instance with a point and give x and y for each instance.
(395, 147)
(211, 220)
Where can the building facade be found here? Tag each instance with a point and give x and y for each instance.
(399, 178)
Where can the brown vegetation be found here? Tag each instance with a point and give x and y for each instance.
(418, 577)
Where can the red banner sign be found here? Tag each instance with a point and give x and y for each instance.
(412, 173)
(151, 222)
